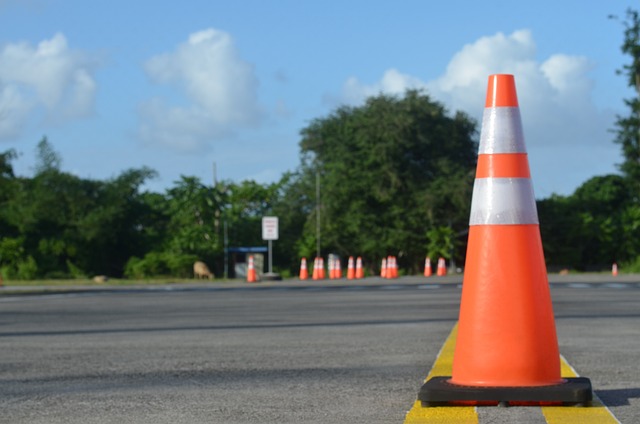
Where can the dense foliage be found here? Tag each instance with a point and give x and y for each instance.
(390, 171)
(57, 225)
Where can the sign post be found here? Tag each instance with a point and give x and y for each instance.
(270, 233)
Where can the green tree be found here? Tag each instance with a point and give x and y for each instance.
(389, 170)
(7, 188)
(191, 210)
(628, 127)
(441, 242)
(591, 228)
(47, 159)
(247, 203)
(70, 226)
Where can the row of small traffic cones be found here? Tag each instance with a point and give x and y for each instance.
(389, 267)
(441, 270)
(335, 269)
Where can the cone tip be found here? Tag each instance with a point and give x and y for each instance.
(501, 91)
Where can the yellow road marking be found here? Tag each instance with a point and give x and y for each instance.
(442, 414)
(595, 414)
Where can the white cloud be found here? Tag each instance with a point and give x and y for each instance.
(51, 76)
(554, 96)
(392, 82)
(14, 111)
(220, 88)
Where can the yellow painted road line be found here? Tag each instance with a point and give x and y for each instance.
(442, 414)
(597, 413)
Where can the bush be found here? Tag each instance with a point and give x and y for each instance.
(159, 264)
(631, 267)
(27, 269)
(75, 271)
(133, 268)
(180, 265)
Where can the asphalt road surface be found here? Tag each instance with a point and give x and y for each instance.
(278, 353)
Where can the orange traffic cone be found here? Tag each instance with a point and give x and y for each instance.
(304, 273)
(395, 267)
(251, 271)
(321, 274)
(316, 269)
(614, 270)
(351, 272)
(442, 267)
(337, 269)
(506, 349)
(359, 270)
(427, 267)
(389, 267)
(383, 268)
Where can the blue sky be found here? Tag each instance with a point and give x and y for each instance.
(177, 86)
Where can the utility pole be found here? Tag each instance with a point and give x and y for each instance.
(317, 214)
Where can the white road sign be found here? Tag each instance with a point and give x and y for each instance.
(269, 228)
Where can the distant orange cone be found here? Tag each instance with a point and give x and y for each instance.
(442, 267)
(316, 269)
(427, 267)
(304, 272)
(383, 268)
(614, 270)
(359, 270)
(321, 274)
(251, 271)
(506, 348)
(351, 272)
(337, 268)
(332, 268)
(395, 267)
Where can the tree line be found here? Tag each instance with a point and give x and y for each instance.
(391, 177)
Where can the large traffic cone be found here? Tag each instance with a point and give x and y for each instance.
(359, 270)
(506, 350)
(337, 268)
(304, 272)
(614, 270)
(351, 272)
(441, 271)
(383, 268)
(251, 271)
(427, 267)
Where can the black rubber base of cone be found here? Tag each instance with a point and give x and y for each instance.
(438, 391)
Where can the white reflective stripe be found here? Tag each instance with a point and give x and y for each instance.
(503, 201)
(502, 131)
